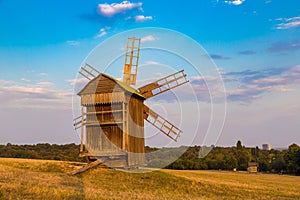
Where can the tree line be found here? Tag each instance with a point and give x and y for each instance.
(238, 157)
(190, 158)
(66, 152)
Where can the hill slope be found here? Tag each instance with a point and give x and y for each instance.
(39, 179)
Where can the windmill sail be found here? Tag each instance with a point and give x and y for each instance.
(131, 60)
(161, 123)
(89, 72)
(163, 84)
(78, 122)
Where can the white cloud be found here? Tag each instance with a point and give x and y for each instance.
(288, 22)
(235, 2)
(109, 10)
(142, 18)
(148, 38)
(102, 32)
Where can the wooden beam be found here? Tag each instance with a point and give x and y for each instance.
(163, 84)
(87, 167)
(161, 124)
(88, 72)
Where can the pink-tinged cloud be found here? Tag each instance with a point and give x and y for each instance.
(39, 95)
(288, 23)
(254, 84)
(142, 18)
(109, 10)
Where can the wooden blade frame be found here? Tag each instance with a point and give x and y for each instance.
(163, 84)
(79, 122)
(131, 60)
(161, 124)
(88, 72)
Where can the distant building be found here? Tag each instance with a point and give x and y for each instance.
(252, 167)
(266, 147)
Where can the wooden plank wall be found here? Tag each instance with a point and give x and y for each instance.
(103, 98)
(136, 131)
(103, 138)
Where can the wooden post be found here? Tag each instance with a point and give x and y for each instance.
(123, 127)
(82, 129)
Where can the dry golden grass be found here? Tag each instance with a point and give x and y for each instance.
(37, 179)
(242, 185)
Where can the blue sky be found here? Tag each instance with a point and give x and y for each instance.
(255, 45)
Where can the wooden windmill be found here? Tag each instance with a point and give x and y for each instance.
(113, 113)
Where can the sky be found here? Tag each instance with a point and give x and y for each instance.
(254, 46)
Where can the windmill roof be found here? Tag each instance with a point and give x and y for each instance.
(120, 83)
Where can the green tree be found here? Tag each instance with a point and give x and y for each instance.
(231, 162)
(239, 145)
(263, 166)
(292, 158)
(278, 164)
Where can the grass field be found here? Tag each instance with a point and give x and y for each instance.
(39, 179)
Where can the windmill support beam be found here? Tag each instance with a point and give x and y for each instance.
(87, 167)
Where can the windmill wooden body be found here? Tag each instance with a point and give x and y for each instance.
(113, 113)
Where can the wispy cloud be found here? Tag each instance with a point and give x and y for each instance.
(142, 18)
(110, 10)
(39, 95)
(150, 62)
(254, 84)
(287, 23)
(235, 2)
(247, 52)
(25, 79)
(219, 57)
(102, 32)
(73, 43)
(148, 38)
(42, 74)
(208, 89)
(283, 46)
